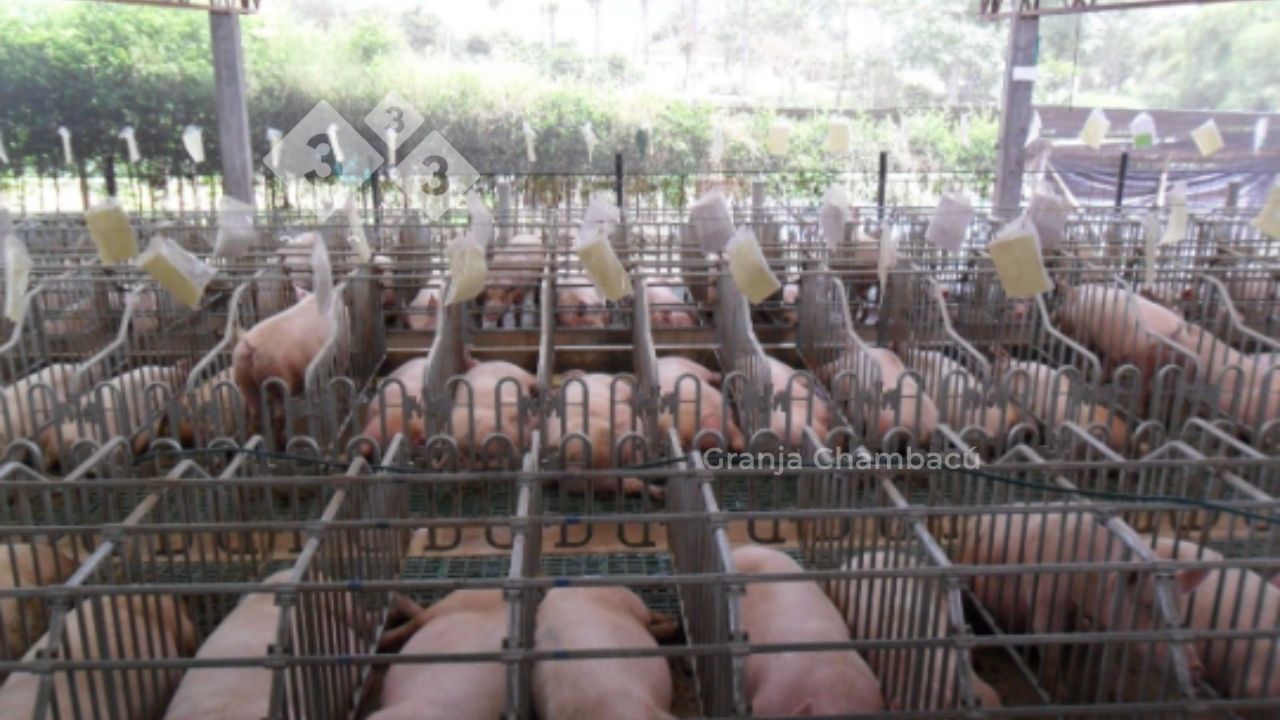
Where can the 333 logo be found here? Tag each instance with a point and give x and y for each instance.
(324, 147)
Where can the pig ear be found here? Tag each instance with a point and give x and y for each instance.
(1188, 580)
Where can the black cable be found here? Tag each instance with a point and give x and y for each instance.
(1101, 494)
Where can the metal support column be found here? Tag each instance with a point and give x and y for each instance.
(233, 114)
(1015, 114)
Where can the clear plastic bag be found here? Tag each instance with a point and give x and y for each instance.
(1049, 212)
(130, 139)
(1176, 229)
(530, 137)
(950, 222)
(112, 233)
(467, 267)
(359, 243)
(1143, 130)
(1150, 241)
(589, 137)
(184, 275)
(1015, 252)
(17, 277)
(834, 215)
(749, 268)
(321, 277)
(193, 141)
(596, 253)
(236, 233)
(711, 222)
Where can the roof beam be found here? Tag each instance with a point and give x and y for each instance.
(237, 7)
(1001, 9)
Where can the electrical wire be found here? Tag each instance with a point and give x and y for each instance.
(1016, 482)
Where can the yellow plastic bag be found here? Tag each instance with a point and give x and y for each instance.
(1094, 132)
(112, 233)
(1208, 139)
(749, 268)
(1015, 252)
(779, 140)
(178, 271)
(1268, 221)
(838, 133)
(596, 253)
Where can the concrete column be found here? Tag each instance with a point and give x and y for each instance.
(233, 113)
(1015, 115)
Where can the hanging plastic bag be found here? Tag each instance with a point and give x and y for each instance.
(1015, 252)
(529, 137)
(838, 134)
(1207, 138)
(834, 215)
(131, 144)
(67, 155)
(1094, 132)
(356, 237)
(749, 268)
(275, 140)
(321, 277)
(467, 267)
(193, 141)
(236, 233)
(1150, 241)
(4, 152)
(1143, 130)
(178, 271)
(597, 254)
(1259, 137)
(589, 137)
(779, 139)
(1176, 229)
(711, 222)
(112, 233)
(1268, 221)
(715, 152)
(17, 277)
(950, 222)
(1049, 211)
(1033, 130)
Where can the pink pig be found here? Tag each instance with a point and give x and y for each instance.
(794, 684)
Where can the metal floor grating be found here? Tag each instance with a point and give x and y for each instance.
(209, 609)
(767, 493)
(486, 500)
(659, 599)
